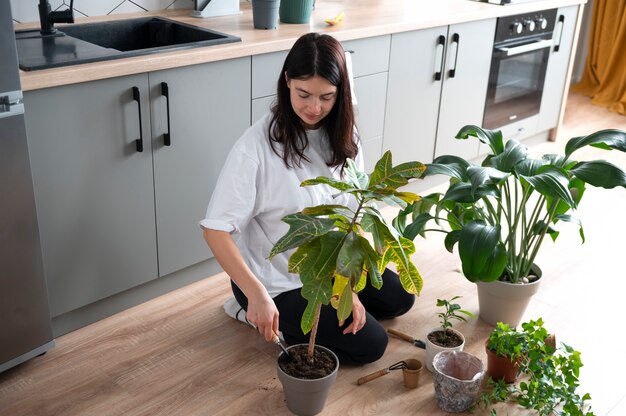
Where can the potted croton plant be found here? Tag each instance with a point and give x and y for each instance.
(499, 212)
(333, 258)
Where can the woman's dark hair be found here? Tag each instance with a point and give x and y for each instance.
(322, 55)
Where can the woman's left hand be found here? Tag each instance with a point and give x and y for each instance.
(358, 316)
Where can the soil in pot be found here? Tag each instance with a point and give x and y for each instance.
(445, 338)
(298, 366)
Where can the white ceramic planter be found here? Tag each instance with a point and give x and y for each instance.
(433, 349)
(505, 302)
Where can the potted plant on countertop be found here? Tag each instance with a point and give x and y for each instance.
(446, 337)
(334, 259)
(500, 211)
(548, 374)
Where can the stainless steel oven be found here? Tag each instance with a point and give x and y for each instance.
(518, 67)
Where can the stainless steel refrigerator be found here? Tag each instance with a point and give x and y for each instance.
(25, 328)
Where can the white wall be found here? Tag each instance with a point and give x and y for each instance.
(26, 10)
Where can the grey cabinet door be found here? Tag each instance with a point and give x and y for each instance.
(209, 109)
(370, 91)
(468, 54)
(413, 95)
(94, 190)
(556, 73)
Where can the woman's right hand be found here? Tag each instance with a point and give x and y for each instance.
(263, 314)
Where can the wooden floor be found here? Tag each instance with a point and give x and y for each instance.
(180, 354)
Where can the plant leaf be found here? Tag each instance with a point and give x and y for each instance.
(325, 210)
(394, 177)
(371, 261)
(528, 167)
(493, 138)
(351, 257)
(482, 253)
(600, 173)
(514, 152)
(345, 304)
(354, 175)
(551, 182)
(302, 228)
(611, 138)
(570, 218)
(306, 323)
(323, 180)
(449, 165)
(417, 226)
(480, 176)
(463, 192)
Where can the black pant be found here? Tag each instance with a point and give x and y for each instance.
(365, 346)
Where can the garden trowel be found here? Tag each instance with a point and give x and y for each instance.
(417, 342)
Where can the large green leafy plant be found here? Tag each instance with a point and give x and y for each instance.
(333, 257)
(500, 211)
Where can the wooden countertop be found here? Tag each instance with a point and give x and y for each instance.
(363, 18)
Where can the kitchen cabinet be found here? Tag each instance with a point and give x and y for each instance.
(370, 63)
(113, 215)
(558, 64)
(437, 84)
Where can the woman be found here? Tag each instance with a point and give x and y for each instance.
(309, 132)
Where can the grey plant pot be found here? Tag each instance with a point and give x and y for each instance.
(505, 302)
(306, 397)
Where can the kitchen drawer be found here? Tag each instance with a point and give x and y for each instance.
(370, 55)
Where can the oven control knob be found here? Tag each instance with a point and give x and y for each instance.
(517, 28)
(530, 25)
(542, 22)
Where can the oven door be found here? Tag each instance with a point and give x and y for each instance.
(516, 82)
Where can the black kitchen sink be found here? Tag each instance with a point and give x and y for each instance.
(93, 42)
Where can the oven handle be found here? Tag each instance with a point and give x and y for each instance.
(528, 47)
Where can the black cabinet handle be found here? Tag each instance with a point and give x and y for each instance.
(165, 91)
(562, 24)
(455, 39)
(441, 41)
(139, 141)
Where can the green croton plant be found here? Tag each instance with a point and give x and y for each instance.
(500, 211)
(333, 257)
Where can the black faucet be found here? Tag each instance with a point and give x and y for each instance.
(48, 18)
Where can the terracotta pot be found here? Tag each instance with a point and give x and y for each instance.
(306, 397)
(505, 302)
(500, 367)
(433, 349)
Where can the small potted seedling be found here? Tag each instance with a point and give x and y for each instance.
(446, 337)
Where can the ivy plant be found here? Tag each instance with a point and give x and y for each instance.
(548, 380)
(332, 255)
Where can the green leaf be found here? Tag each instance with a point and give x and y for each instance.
(463, 192)
(322, 180)
(482, 254)
(493, 138)
(572, 219)
(611, 138)
(394, 177)
(326, 210)
(354, 176)
(398, 252)
(417, 226)
(514, 152)
(351, 257)
(552, 182)
(451, 239)
(344, 310)
(371, 263)
(600, 173)
(302, 228)
(308, 316)
(528, 167)
(448, 165)
(316, 261)
(480, 176)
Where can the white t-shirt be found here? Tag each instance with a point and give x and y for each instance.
(255, 190)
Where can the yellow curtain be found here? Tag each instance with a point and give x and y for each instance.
(604, 78)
